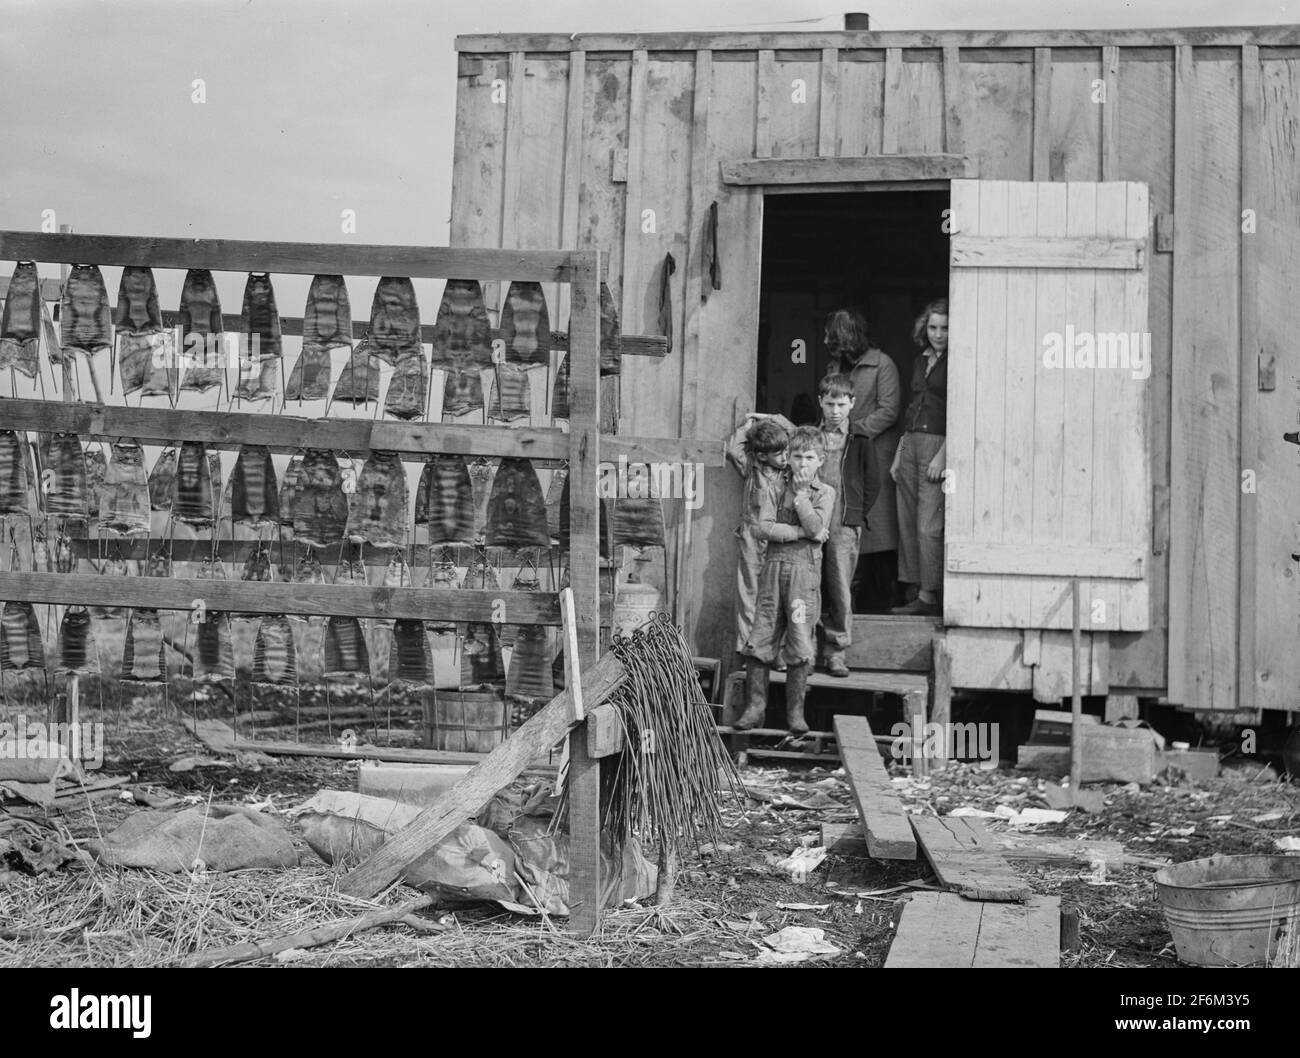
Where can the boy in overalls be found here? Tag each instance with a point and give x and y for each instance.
(795, 523)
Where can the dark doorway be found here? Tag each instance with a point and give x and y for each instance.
(883, 252)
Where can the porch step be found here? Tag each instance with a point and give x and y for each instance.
(903, 683)
(891, 641)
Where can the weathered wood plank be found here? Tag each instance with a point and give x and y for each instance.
(287, 433)
(936, 929)
(889, 836)
(1271, 36)
(847, 839)
(574, 145)
(828, 103)
(963, 292)
(1074, 125)
(584, 457)
(1274, 669)
(990, 452)
(537, 735)
(301, 258)
(175, 593)
(894, 100)
(998, 138)
(953, 137)
(1042, 112)
(943, 930)
(845, 170)
(1110, 113)
(764, 104)
(973, 872)
(1026, 936)
(886, 641)
(1005, 251)
(1248, 359)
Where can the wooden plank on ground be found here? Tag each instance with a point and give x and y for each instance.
(974, 871)
(889, 837)
(847, 839)
(943, 930)
(537, 735)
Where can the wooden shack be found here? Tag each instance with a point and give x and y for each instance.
(1118, 182)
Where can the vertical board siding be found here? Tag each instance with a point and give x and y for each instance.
(1205, 485)
(1018, 121)
(794, 95)
(861, 107)
(1074, 125)
(478, 167)
(921, 128)
(1146, 154)
(1276, 665)
(998, 110)
(728, 364)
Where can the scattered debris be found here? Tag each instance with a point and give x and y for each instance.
(800, 863)
(796, 944)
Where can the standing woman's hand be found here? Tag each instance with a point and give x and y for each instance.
(898, 459)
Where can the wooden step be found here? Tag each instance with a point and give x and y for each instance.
(903, 683)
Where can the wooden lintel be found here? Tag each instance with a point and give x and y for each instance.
(861, 169)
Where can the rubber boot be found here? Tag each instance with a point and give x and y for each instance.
(796, 687)
(756, 680)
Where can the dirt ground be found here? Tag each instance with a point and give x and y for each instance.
(731, 892)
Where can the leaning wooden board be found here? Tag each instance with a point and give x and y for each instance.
(965, 865)
(889, 836)
(945, 930)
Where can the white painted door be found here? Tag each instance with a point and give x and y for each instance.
(1047, 452)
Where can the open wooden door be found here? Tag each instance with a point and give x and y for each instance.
(1047, 445)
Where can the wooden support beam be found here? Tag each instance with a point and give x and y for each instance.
(584, 455)
(998, 39)
(537, 735)
(894, 102)
(889, 836)
(298, 258)
(1250, 350)
(860, 169)
(288, 433)
(235, 596)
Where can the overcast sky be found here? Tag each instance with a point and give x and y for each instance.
(317, 107)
